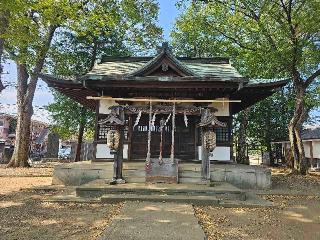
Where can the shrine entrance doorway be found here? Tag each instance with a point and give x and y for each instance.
(185, 139)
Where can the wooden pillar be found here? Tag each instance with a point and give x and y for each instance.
(162, 125)
(96, 133)
(172, 132)
(148, 159)
(120, 157)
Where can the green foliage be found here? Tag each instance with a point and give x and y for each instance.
(97, 34)
(67, 115)
(257, 34)
(83, 32)
(30, 22)
(264, 40)
(70, 56)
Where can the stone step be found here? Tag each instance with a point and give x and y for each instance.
(190, 167)
(189, 174)
(221, 191)
(134, 174)
(135, 179)
(190, 180)
(199, 200)
(252, 201)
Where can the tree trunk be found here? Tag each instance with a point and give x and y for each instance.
(268, 138)
(79, 143)
(295, 126)
(25, 111)
(25, 94)
(242, 146)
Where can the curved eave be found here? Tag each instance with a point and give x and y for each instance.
(164, 79)
(72, 89)
(253, 93)
(274, 84)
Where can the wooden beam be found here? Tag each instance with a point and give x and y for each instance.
(163, 100)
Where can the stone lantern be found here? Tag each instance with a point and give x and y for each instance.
(207, 123)
(115, 122)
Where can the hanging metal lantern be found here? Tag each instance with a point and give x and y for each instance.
(210, 140)
(113, 139)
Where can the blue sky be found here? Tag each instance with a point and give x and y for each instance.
(168, 13)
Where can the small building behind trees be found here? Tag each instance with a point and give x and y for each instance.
(311, 143)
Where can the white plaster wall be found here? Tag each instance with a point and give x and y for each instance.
(316, 149)
(125, 151)
(104, 105)
(218, 154)
(223, 108)
(104, 152)
(306, 146)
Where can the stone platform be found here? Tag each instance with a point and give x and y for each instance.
(215, 194)
(218, 190)
(243, 176)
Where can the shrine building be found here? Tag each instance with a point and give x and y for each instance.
(166, 108)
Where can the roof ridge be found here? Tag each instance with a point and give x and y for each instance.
(205, 60)
(164, 51)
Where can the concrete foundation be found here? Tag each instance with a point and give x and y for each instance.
(243, 176)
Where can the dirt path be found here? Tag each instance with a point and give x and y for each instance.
(25, 216)
(155, 220)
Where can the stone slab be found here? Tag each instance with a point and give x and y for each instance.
(195, 200)
(252, 200)
(220, 190)
(145, 220)
(167, 172)
(243, 176)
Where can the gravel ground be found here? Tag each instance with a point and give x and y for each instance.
(45, 171)
(293, 217)
(282, 180)
(25, 216)
(13, 184)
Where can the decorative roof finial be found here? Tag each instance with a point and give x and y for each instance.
(164, 48)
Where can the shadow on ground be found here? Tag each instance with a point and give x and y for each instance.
(25, 216)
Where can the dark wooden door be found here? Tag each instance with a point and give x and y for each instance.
(184, 138)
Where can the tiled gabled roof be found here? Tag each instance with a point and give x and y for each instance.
(195, 69)
(217, 67)
(311, 133)
(111, 68)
